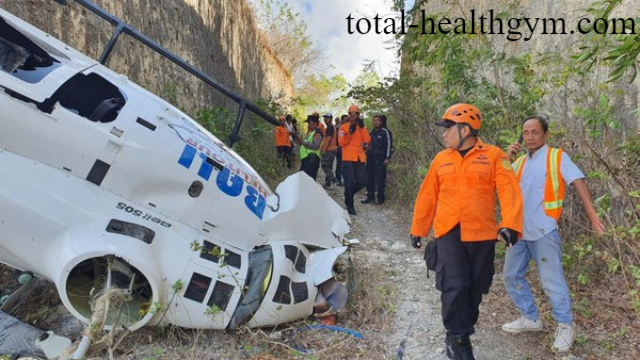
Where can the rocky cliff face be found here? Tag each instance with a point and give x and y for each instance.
(218, 36)
(543, 44)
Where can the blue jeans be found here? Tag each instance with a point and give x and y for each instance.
(547, 254)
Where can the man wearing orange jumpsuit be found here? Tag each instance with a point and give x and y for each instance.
(352, 137)
(283, 145)
(457, 199)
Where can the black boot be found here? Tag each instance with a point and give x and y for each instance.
(462, 347)
(448, 342)
(367, 200)
(351, 210)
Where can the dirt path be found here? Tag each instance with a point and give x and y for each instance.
(386, 261)
(383, 232)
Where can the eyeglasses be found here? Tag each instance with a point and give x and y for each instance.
(353, 114)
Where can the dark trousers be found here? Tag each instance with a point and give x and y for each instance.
(284, 152)
(339, 164)
(376, 178)
(310, 165)
(464, 272)
(355, 179)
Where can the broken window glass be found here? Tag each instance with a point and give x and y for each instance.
(90, 96)
(260, 268)
(22, 58)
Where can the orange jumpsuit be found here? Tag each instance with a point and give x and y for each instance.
(351, 143)
(458, 198)
(462, 191)
(282, 136)
(353, 161)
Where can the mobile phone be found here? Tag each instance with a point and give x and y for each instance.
(520, 139)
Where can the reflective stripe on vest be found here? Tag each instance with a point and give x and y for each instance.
(304, 151)
(517, 166)
(554, 187)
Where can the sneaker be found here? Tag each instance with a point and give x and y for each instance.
(565, 336)
(351, 211)
(367, 200)
(522, 325)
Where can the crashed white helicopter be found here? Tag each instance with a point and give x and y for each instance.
(104, 185)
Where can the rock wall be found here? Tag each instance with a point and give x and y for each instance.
(544, 44)
(218, 36)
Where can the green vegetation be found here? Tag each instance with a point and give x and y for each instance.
(620, 52)
(286, 32)
(582, 93)
(321, 94)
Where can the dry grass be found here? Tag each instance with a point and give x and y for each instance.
(369, 312)
(42, 308)
(607, 325)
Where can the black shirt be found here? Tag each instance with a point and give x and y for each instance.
(330, 130)
(381, 144)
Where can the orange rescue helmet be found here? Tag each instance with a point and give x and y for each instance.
(462, 114)
(354, 108)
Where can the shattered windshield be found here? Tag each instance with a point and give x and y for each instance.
(22, 58)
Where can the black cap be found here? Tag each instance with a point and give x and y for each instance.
(312, 118)
(445, 123)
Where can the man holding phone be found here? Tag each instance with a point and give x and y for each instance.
(351, 137)
(541, 174)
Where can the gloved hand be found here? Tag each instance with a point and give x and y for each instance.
(360, 123)
(352, 128)
(509, 236)
(415, 242)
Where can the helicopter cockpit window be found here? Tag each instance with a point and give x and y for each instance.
(22, 58)
(90, 96)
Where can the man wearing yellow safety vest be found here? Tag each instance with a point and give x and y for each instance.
(541, 173)
(310, 148)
